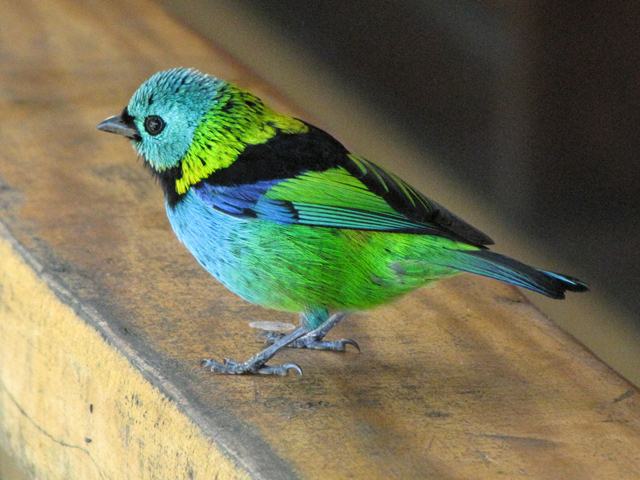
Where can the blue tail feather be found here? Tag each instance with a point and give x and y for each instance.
(513, 272)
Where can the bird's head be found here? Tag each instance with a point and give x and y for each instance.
(187, 126)
(163, 114)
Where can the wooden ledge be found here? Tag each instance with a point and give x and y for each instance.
(104, 317)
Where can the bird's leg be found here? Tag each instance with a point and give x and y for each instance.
(314, 339)
(257, 363)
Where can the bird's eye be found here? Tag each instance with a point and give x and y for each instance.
(153, 124)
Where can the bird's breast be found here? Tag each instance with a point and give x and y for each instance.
(208, 234)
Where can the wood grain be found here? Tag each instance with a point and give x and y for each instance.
(462, 380)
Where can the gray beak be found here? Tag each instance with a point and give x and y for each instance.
(121, 125)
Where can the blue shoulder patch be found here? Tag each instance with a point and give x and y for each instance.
(236, 199)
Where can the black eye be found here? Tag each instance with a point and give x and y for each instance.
(153, 124)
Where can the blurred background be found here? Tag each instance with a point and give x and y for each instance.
(522, 117)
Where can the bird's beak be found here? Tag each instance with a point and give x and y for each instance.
(120, 125)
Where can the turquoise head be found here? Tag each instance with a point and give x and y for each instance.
(163, 114)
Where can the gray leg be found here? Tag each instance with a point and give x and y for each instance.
(256, 364)
(314, 339)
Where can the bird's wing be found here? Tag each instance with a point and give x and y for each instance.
(345, 191)
(404, 199)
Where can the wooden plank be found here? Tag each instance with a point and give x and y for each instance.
(463, 380)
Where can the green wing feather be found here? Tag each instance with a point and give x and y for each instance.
(361, 195)
(337, 198)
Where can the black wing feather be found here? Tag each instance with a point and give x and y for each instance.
(403, 198)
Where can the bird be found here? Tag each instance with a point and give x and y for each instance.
(286, 217)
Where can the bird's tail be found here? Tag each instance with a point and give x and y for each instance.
(508, 270)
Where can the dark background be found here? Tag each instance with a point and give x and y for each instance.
(533, 105)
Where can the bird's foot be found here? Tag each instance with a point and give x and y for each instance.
(313, 342)
(230, 367)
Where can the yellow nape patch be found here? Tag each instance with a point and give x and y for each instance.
(225, 132)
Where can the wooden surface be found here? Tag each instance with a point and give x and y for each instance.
(463, 380)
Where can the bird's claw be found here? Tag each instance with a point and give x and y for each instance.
(227, 366)
(349, 341)
(313, 343)
(331, 345)
(231, 367)
(281, 370)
